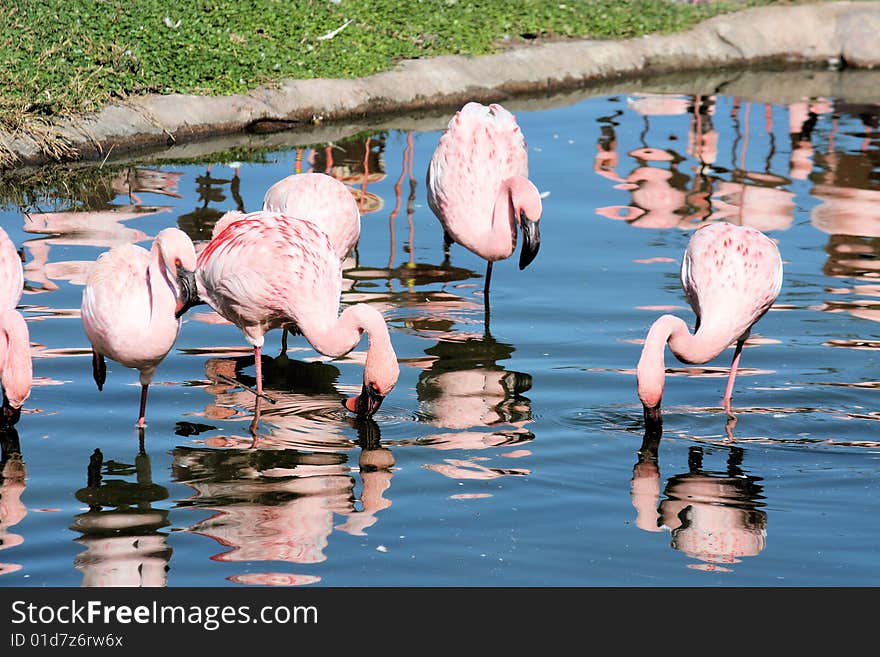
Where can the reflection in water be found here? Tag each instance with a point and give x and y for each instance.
(307, 411)
(199, 223)
(714, 516)
(465, 390)
(665, 196)
(849, 212)
(121, 529)
(96, 222)
(13, 475)
(280, 505)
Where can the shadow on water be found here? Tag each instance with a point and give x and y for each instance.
(121, 531)
(281, 505)
(714, 516)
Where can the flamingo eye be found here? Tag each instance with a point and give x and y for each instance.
(177, 262)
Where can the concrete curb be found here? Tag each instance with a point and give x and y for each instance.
(835, 34)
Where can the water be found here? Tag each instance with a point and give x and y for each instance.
(507, 456)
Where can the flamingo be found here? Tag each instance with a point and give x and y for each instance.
(326, 202)
(478, 186)
(16, 370)
(731, 275)
(132, 303)
(266, 270)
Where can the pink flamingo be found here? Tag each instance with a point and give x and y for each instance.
(731, 275)
(266, 270)
(323, 200)
(16, 370)
(478, 186)
(132, 303)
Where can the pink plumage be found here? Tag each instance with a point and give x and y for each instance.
(266, 270)
(478, 185)
(324, 201)
(731, 276)
(131, 302)
(16, 373)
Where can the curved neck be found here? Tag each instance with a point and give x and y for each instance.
(15, 357)
(340, 336)
(701, 347)
(162, 287)
(502, 232)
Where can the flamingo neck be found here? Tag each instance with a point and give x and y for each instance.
(161, 286)
(15, 358)
(700, 347)
(502, 232)
(340, 336)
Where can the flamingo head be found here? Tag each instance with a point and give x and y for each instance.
(526, 202)
(179, 257)
(381, 368)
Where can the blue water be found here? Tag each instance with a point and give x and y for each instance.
(507, 455)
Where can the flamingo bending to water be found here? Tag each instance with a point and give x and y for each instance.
(478, 186)
(16, 370)
(731, 275)
(132, 303)
(266, 270)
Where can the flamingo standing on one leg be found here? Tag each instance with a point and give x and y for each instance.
(266, 270)
(16, 370)
(731, 275)
(132, 303)
(478, 186)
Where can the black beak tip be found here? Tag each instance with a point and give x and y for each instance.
(653, 419)
(527, 255)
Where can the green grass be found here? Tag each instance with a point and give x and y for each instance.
(59, 58)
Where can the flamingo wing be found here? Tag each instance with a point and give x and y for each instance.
(260, 271)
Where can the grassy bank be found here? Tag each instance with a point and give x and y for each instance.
(65, 57)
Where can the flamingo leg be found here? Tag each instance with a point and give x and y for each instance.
(143, 412)
(258, 364)
(488, 280)
(730, 379)
(283, 342)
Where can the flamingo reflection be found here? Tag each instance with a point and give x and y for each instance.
(305, 409)
(663, 195)
(479, 403)
(13, 477)
(714, 517)
(845, 183)
(121, 530)
(281, 505)
(99, 221)
(199, 224)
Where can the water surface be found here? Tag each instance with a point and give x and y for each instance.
(508, 454)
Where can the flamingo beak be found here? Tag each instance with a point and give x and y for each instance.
(366, 403)
(531, 240)
(8, 415)
(189, 295)
(653, 420)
